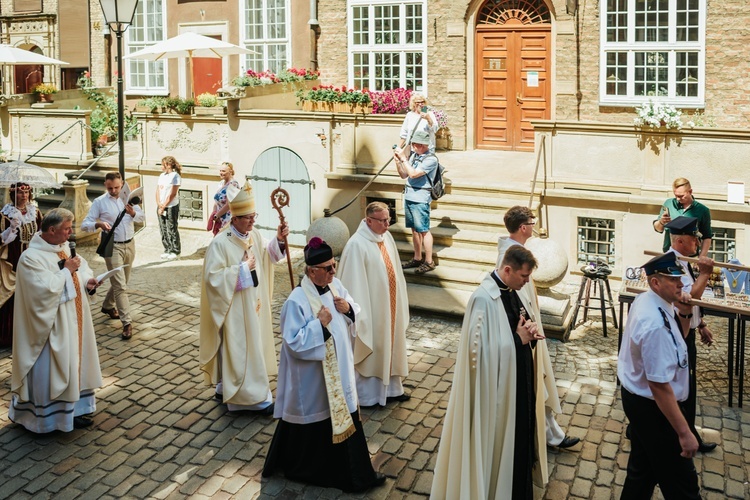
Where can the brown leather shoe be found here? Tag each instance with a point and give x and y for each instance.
(112, 313)
(127, 331)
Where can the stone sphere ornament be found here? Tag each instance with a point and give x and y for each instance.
(552, 259)
(332, 230)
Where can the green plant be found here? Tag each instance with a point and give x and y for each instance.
(207, 99)
(329, 93)
(45, 88)
(181, 106)
(154, 103)
(103, 119)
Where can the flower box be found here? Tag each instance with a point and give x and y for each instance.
(209, 110)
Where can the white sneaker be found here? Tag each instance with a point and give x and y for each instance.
(164, 256)
(173, 256)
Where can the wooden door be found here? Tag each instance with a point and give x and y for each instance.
(513, 85)
(206, 74)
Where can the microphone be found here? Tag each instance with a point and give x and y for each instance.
(72, 245)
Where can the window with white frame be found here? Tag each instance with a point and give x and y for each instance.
(388, 44)
(265, 30)
(147, 29)
(653, 48)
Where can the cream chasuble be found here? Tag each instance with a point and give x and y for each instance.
(475, 458)
(363, 272)
(247, 354)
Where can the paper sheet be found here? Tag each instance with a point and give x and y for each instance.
(109, 274)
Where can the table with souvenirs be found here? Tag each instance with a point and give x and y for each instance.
(726, 296)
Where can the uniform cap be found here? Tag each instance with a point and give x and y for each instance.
(684, 225)
(665, 264)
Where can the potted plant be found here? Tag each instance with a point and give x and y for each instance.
(154, 104)
(44, 92)
(443, 134)
(207, 104)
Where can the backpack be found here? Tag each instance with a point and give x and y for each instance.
(437, 187)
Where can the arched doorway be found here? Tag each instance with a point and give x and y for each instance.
(513, 61)
(28, 76)
(282, 167)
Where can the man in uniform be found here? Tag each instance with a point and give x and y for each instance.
(55, 359)
(104, 212)
(417, 198)
(520, 221)
(370, 270)
(684, 234)
(488, 447)
(236, 333)
(653, 369)
(685, 204)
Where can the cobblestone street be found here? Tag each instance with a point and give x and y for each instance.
(158, 432)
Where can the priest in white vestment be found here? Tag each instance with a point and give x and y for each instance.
(371, 270)
(55, 366)
(319, 437)
(489, 447)
(520, 221)
(237, 352)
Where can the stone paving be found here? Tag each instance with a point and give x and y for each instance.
(158, 432)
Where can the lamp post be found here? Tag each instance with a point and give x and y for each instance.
(118, 14)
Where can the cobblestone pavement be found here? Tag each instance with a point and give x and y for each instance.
(158, 432)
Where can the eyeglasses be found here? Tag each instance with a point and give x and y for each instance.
(382, 221)
(532, 223)
(248, 216)
(328, 269)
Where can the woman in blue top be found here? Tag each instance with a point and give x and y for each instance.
(221, 215)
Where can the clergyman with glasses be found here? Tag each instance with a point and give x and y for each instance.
(653, 369)
(237, 351)
(370, 269)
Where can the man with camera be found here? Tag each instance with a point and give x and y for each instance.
(104, 213)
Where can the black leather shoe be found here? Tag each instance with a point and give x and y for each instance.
(401, 398)
(81, 422)
(706, 447)
(218, 396)
(267, 411)
(379, 479)
(568, 442)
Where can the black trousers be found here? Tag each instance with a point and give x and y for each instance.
(655, 455)
(688, 406)
(170, 237)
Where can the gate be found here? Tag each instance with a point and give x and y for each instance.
(282, 167)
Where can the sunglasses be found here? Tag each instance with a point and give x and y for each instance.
(328, 269)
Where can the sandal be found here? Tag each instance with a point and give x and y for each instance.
(426, 267)
(412, 263)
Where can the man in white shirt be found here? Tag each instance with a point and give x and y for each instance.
(104, 212)
(653, 369)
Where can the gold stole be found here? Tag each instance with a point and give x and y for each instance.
(341, 419)
(79, 309)
(391, 289)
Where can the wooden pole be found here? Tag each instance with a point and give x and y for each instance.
(694, 260)
(280, 199)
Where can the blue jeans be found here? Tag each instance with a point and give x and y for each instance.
(417, 216)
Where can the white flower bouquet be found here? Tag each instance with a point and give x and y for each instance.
(654, 114)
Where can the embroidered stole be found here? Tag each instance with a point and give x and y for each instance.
(341, 419)
(79, 309)
(391, 288)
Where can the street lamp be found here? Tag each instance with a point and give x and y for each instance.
(118, 14)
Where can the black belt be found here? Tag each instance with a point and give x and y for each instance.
(124, 242)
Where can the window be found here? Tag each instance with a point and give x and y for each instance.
(653, 48)
(388, 44)
(266, 31)
(147, 29)
(191, 204)
(596, 240)
(723, 244)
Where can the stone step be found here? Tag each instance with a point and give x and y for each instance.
(453, 256)
(487, 221)
(495, 204)
(449, 301)
(449, 236)
(518, 192)
(457, 277)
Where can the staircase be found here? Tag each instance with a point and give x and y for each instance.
(465, 224)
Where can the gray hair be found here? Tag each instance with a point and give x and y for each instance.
(55, 217)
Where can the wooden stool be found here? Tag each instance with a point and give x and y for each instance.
(593, 277)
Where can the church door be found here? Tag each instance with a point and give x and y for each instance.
(513, 61)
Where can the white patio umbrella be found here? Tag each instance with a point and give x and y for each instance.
(188, 45)
(14, 56)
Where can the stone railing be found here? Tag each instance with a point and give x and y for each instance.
(31, 129)
(623, 159)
